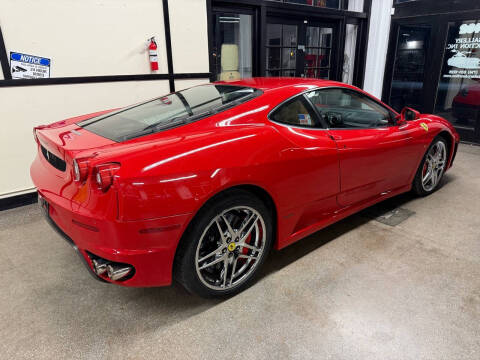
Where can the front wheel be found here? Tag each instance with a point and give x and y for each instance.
(432, 168)
(225, 245)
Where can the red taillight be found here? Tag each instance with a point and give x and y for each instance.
(104, 175)
(80, 170)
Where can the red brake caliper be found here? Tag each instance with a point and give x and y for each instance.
(247, 241)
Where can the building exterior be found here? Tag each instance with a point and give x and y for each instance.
(97, 56)
(433, 61)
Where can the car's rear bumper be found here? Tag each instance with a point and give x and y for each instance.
(147, 245)
(45, 211)
(151, 249)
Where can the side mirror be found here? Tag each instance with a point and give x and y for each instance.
(407, 114)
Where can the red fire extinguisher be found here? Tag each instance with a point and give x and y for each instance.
(152, 52)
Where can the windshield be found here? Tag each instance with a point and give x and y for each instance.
(168, 111)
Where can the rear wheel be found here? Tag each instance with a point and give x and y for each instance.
(432, 168)
(225, 246)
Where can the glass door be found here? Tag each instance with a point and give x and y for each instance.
(350, 53)
(318, 52)
(300, 48)
(434, 67)
(458, 91)
(409, 67)
(282, 49)
(232, 47)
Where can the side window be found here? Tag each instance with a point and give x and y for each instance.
(296, 112)
(347, 109)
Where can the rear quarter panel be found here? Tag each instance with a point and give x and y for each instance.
(176, 178)
(182, 168)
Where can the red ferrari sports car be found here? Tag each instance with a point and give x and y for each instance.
(200, 184)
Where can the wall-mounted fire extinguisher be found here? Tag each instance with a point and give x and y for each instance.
(152, 52)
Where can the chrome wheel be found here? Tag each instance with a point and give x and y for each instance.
(230, 248)
(434, 166)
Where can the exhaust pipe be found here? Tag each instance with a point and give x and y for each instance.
(117, 272)
(99, 266)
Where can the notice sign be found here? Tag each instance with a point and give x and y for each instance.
(25, 66)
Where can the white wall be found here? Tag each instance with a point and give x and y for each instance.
(377, 46)
(25, 107)
(85, 38)
(88, 38)
(186, 83)
(188, 30)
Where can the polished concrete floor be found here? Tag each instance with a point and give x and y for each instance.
(359, 289)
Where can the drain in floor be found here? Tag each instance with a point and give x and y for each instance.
(391, 217)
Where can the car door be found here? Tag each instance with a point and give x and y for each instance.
(376, 156)
(311, 183)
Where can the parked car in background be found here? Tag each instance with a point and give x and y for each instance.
(466, 104)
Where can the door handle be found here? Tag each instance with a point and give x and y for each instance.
(335, 137)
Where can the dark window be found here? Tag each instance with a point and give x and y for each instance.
(284, 57)
(347, 109)
(295, 112)
(409, 67)
(281, 49)
(318, 52)
(168, 111)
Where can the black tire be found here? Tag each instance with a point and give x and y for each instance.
(417, 187)
(185, 267)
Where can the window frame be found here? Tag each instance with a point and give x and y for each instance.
(319, 123)
(323, 125)
(392, 115)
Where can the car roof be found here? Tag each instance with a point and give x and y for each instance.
(271, 83)
(290, 86)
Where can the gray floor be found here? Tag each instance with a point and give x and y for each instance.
(360, 289)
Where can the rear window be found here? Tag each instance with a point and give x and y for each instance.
(168, 111)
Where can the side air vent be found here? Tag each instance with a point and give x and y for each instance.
(54, 160)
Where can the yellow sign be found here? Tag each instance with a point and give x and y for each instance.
(424, 126)
(231, 246)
